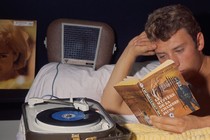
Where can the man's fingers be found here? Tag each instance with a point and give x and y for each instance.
(169, 124)
(167, 127)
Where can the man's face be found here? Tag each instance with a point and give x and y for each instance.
(181, 49)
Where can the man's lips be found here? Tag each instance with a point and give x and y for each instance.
(182, 71)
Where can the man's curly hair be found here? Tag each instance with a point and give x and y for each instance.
(165, 22)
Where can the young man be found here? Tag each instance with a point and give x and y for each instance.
(171, 32)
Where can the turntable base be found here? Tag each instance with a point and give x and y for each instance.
(60, 120)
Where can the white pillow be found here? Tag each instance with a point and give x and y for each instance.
(68, 81)
(71, 81)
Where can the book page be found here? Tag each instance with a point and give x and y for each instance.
(161, 66)
(128, 81)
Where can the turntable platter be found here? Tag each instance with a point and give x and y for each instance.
(67, 116)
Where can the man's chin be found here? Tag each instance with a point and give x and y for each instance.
(189, 76)
(186, 75)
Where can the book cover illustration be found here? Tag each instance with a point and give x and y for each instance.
(164, 92)
(17, 53)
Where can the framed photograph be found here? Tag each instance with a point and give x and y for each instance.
(17, 63)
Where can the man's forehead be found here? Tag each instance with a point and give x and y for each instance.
(160, 47)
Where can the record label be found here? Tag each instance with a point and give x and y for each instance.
(68, 115)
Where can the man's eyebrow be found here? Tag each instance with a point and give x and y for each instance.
(176, 47)
(159, 52)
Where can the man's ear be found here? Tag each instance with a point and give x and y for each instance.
(200, 41)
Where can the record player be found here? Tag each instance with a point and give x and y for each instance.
(69, 119)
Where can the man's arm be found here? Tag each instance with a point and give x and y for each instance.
(111, 100)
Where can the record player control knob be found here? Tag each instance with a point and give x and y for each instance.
(105, 125)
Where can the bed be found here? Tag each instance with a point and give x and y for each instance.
(69, 81)
(61, 80)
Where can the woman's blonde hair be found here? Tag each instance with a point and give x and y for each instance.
(17, 40)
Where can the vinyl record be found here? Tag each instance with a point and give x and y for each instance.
(67, 116)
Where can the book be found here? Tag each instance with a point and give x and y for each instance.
(162, 92)
(17, 53)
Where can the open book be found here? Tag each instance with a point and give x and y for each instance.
(162, 92)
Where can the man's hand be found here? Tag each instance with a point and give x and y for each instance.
(177, 125)
(141, 46)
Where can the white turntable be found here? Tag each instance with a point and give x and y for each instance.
(69, 119)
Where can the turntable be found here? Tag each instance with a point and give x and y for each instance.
(69, 119)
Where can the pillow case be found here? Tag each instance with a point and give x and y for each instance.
(69, 81)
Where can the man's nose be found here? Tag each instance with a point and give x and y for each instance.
(175, 59)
